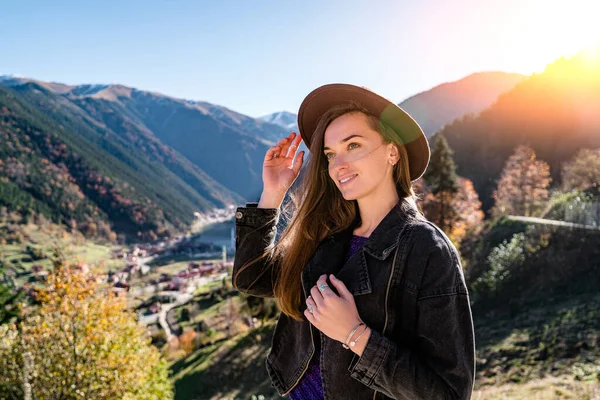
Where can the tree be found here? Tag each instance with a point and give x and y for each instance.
(523, 185)
(187, 341)
(582, 171)
(80, 343)
(441, 179)
(467, 207)
(464, 205)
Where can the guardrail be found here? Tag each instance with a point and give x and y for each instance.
(553, 222)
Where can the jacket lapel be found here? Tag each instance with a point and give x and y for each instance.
(329, 257)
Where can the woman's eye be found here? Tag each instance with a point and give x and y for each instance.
(327, 156)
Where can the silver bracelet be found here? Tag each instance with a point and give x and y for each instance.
(353, 343)
(345, 345)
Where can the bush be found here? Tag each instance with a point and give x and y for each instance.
(499, 231)
(184, 314)
(509, 261)
(159, 339)
(81, 327)
(35, 253)
(501, 260)
(561, 201)
(187, 341)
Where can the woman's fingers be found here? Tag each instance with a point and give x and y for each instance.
(272, 152)
(275, 151)
(316, 296)
(287, 142)
(294, 146)
(298, 163)
(279, 150)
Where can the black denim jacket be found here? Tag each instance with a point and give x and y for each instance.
(408, 287)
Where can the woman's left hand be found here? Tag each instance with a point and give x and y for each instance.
(333, 315)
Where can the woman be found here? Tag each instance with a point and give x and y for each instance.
(373, 298)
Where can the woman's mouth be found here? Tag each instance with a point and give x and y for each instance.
(347, 179)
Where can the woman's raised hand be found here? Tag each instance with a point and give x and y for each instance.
(280, 170)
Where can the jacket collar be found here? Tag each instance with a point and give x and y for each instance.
(330, 255)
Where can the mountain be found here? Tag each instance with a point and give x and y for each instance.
(69, 164)
(441, 105)
(555, 112)
(206, 155)
(284, 119)
(226, 145)
(444, 103)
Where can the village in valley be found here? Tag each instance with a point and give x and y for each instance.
(161, 278)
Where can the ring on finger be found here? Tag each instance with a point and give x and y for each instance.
(323, 286)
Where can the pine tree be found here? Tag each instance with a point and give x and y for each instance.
(442, 180)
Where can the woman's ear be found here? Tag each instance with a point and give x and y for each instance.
(393, 157)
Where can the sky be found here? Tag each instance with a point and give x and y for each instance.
(258, 57)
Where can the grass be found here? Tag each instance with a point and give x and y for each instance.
(548, 388)
(549, 351)
(548, 341)
(203, 308)
(232, 369)
(49, 238)
(208, 288)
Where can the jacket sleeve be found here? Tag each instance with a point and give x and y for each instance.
(255, 232)
(441, 362)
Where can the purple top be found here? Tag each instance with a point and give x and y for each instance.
(310, 386)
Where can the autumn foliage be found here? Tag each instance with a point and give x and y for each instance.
(448, 200)
(460, 213)
(80, 343)
(583, 171)
(523, 185)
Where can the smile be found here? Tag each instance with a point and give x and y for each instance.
(348, 179)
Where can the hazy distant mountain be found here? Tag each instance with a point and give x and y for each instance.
(289, 122)
(444, 103)
(284, 119)
(555, 112)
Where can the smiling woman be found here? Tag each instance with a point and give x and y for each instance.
(359, 165)
(358, 262)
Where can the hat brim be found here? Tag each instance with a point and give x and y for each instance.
(323, 98)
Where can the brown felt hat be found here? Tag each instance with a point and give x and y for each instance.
(323, 98)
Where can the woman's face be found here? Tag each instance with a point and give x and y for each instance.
(354, 150)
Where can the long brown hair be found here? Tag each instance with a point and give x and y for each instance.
(320, 210)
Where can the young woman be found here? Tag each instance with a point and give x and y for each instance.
(373, 298)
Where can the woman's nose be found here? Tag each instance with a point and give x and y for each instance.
(338, 163)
